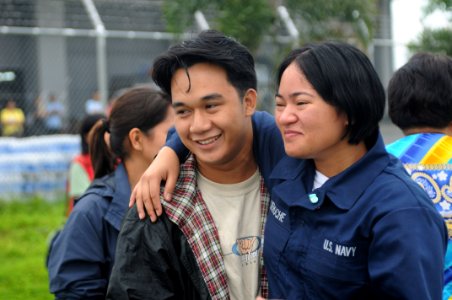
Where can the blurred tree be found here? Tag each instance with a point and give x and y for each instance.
(351, 20)
(250, 20)
(179, 13)
(246, 20)
(435, 40)
(445, 5)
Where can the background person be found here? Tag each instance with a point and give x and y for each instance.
(12, 119)
(54, 114)
(81, 171)
(94, 104)
(420, 104)
(36, 118)
(82, 254)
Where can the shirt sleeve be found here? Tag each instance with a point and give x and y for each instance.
(268, 146)
(77, 264)
(143, 268)
(174, 142)
(406, 256)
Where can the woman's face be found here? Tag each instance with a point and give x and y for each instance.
(311, 128)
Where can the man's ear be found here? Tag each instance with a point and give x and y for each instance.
(250, 102)
(136, 139)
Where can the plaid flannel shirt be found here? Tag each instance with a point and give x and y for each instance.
(188, 210)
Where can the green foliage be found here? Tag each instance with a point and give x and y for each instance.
(25, 227)
(250, 20)
(437, 41)
(245, 20)
(179, 13)
(332, 19)
(443, 5)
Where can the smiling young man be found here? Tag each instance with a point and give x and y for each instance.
(208, 243)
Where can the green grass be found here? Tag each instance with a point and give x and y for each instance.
(24, 230)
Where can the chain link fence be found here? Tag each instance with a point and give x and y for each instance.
(53, 58)
(53, 51)
(50, 54)
(55, 55)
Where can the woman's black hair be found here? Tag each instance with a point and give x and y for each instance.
(209, 46)
(141, 108)
(420, 92)
(86, 125)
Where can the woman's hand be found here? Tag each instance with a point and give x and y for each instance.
(165, 167)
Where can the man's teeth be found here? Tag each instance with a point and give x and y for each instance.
(208, 141)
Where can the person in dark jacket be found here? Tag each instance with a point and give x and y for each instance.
(81, 256)
(208, 242)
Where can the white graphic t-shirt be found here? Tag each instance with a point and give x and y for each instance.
(236, 211)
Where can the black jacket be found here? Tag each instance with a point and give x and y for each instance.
(154, 261)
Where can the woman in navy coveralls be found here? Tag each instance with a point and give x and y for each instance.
(345, 221)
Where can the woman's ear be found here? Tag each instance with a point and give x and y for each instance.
(250, 102)
(136, 139)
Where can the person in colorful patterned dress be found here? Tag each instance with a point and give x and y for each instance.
(420, 104)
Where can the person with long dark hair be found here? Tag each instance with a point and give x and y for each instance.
(82, 254)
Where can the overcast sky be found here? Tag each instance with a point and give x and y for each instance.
(407, 23)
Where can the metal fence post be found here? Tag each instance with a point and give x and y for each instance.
(101, 55)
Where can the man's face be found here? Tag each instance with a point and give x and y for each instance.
(212, 121)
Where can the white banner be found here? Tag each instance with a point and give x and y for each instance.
(36, 166)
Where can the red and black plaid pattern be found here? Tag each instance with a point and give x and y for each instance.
(188, 210)
(265, 200)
